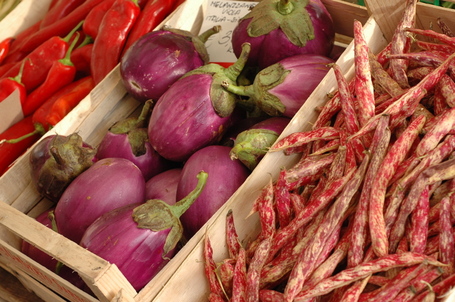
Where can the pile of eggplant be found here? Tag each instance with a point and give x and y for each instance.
(155, 179)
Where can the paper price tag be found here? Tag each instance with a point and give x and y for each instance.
(226, 14)
(10, 111)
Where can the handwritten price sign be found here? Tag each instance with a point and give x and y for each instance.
(226, 14)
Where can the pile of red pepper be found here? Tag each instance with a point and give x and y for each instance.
(57, 61)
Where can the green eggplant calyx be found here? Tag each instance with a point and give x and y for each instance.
(290, 16)
(223, 101)
(259, 94)
(157, 215)
(251, 145)
(128, 124)
(68, 159)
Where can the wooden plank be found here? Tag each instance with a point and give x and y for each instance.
(26, 13)
(11, 290)
(90, 267)
(387, 14)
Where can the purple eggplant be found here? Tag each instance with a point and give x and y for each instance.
(277, 29)
(108, 184)
(140, 238)
(251, 145)
(159, 58)
(226, 175)
(282, 88)
(129, 139)
(163, 186)
(56, 160)
(195, 111)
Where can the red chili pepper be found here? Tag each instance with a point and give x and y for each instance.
(61, 103)
(59, 28)
(40, 60)
(81, 58)
(9, 85)
(59, 10)
(153, 13)
(95, 16)
(4, 48)
(16, 55)
(53, 3)
(6, 67)
(10, 152)
(112, 35)
(53, 110)
(177, 3)
(61, 73)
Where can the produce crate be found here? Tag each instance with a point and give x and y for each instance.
(107, 103)
(182, 278)
(187, 281)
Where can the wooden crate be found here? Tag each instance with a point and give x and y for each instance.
(20, 203)
(188, 281)
(182, 278)
(107, 103)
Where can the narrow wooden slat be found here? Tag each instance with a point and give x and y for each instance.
(93, 269)
(27, 12)
(386, 13)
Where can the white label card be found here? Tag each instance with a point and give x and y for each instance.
(227, 14)
(10, 111)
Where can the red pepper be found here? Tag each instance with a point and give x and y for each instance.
(53, 3)
(54, 109)
(153, 13)
(16, 55)
(4, 48)
(81, 58)
(9, 85)
(59, 10)
(95, 16)
(11, 151)
(61, 73)
(6, 67)
(60, 104)
(113, 32)
(177, 3)
(59, 28)
(40, 60)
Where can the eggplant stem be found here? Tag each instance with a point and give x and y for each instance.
(239, 90)
(142, 118)
(182, 205)
(208, 33)
(285, 7)
(233, 71)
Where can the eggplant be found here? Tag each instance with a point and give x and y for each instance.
(56, 160)
(195, 111)
(140, 238)
(277, 29)
(163, 186)
(251, 145)
(226, 175)
(128, 139)
(108, 184)
(159, 58)
(282, 88)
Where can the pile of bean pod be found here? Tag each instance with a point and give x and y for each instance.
(368, 212)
